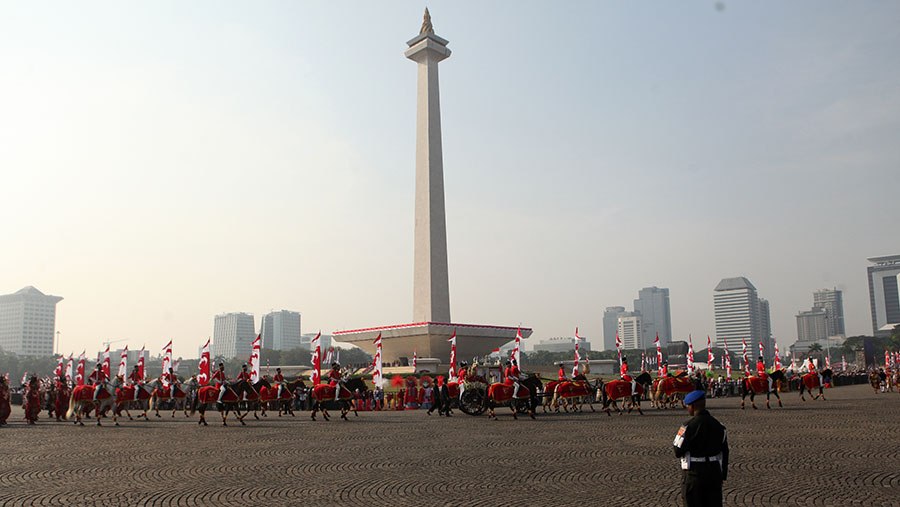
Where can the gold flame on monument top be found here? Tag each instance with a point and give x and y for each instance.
(426, 23)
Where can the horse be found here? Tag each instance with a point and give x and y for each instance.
(269, 395)
(669, 390)
(501, 394)
(125, 397)
(575, 391)
(323, 393)
(621, 390)
(758, 385)
(163, 392)
(210, 394)
(811, 380)
(82, 401)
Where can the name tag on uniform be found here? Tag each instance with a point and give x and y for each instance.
(679, 438)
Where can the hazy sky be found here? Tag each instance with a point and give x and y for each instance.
(164, 162)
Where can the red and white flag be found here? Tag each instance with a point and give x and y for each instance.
(659, 360)
(167, 359)
(79, 372)
(777, 359)
(643, 361)
(452, 373)
(316, 360)
(710, 356)
(337, 354)
(330, 356)
(619, 349)
(744, 353)
(378, 373)
(577, 354)
(24, 378)
(59, 367)
(69, 368)
(415, 358)
(690, 356)
(141, 364)
(496, 351)
(843, 363)
(255, 351)
(106, 361)
(123, 363)
(517, 352)
(887, 358)
(727, 360)
(203, 376)
(827, 362)
(762, 351)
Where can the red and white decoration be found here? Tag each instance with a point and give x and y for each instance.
(690, 356)
(761, 351)
(777, 359)
(106, 361)
(141, 364)
(330, 356)
(452, 340)
(314, 377)
(255, 350)
(204, 375)
(123, 363)
(79, 373)
(415, 358)
(577, 354)
(167, 359)
(710, 357)
(517, 351)
(843, 363)
(744, 354)
(59, 367)
(378, 373)
(659, 360)
(727, 360)
(619, 349)
(69, 368)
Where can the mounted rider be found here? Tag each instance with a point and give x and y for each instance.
(136, 381)
(218, 379)
(761, 371)
(562, 372)
(461, 375)
(812, 369)
(336, 379)
(513, 376)
(665, 369)
(279, 379)
(623, 374)
(98, 379)
(243, 375)
(172, 379)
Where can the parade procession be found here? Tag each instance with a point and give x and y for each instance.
(77, 392)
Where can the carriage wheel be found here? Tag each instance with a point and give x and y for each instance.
(473, 402)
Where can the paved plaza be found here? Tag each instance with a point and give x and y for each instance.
(843, 451)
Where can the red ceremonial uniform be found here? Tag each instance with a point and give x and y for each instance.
(169, 377)
(462, 374)
(243, 375)
(623, 371)
(135, 377)
(811, 367)
(218, 377)
(278, 377)
(97, 376)
(335, 376)
(562, 373)
(761, 369)
(665, 371)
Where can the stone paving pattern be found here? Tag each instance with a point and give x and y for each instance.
(843, 451)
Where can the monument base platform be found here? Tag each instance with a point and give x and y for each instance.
(430, 338)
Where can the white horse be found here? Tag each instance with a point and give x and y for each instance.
(82, 401)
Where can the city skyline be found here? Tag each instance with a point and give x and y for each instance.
(129, 184)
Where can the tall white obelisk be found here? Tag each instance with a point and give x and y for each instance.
(431, 290)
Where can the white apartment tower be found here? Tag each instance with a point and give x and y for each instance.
(233, 335)
(28, 322)
(737, 311)
(629, 324)
(832, 301)
(656, 316)
(280, 330)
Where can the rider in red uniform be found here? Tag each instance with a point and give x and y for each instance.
(761, 371)
(514, 376)
(623, 373)
(336, 380)
(812, 369)
(665, 369)
(278, 379)
(172, 379)
(461, 376)
(218, 379)
(135, 378)
(562, 372)
(98, 379)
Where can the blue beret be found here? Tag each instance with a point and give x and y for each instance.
(694, 396)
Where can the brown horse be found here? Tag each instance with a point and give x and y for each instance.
(269, 395)
(574, 392)
(671, 390)
(502, 394)
(620, 390)
(758, 385)
(234, 393)
(324, 393)
(811, 380)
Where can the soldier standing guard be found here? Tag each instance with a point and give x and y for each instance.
(702, 445)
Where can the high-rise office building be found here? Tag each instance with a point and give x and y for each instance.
(233, 335)
(765, 328)
(280, 330)
(811, 326)
(28, 322)
(611, 326)
(629, 324)
(832, 301)
(884, 296)
(737, 313)
(656, 316)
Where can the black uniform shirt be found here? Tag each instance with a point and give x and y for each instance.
(703, 436)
